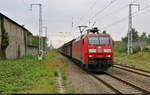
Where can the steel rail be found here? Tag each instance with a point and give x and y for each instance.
(100, 80)
(106, 84)
(133, 68)
(128, 83)
(132, 71)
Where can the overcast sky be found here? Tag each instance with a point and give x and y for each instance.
(58, 14)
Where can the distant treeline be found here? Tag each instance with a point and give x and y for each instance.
(140, 42)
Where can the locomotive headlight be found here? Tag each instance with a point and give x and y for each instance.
(107, 50)
(108, 55)
(90, 55)
(92, 50)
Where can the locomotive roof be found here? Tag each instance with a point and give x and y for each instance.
(83, 36)
(90, 34)
(100, 34)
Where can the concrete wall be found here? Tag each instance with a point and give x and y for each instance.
(16, 39)
(32, 51)
(0, 32)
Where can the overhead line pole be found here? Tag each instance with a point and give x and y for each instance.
(46, 38)
(40, 30)
(130, 38)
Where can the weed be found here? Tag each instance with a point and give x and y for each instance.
(56, 73)
(72, 91)
(23, 75)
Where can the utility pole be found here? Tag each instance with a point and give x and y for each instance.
(46, 38)
(130, 38)
(40, 30)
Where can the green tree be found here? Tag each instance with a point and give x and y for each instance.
(148, 39)
(4, 39)
(104, 32)
(142, 41)
(113, 42)
(143, 37)
(135, 36)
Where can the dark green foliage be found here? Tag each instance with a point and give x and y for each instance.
(146, 49)
(35, 42)
(143, 37)
(44, 41)
(29, 34)
(148, 39)
(134, 35)
(32, 41)
(104, 32)
(136, 49)
(113, 42)
(56, 73)
(64, 77)
(125, 39)
(122, 49)
(4, 39)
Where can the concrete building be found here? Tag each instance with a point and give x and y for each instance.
(17, 38)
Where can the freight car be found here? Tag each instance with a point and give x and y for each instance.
(94, 51)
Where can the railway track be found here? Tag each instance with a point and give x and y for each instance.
(133, 70)
(107, 84)
(117, 90)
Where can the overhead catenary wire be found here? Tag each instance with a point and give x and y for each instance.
(33, 17)
(90, 8)
(102, 10)
(123, 19)
(116, 11)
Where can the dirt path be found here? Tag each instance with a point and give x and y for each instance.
(61, 87)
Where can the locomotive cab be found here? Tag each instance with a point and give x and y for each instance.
(99, 52)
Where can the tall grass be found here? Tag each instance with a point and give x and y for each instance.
(139, 60)
(24, 74)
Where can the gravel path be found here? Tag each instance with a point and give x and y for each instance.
(61, 87)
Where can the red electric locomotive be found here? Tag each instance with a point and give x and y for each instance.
(93, 50)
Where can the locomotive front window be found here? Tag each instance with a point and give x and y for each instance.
(93, 40)
(104, 40)
(98, 40)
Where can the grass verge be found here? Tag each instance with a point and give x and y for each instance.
(140, 60)
(28, 75)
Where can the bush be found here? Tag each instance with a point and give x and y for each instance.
(136, 49)
(123, 49)
(56, 73)
(146, 49)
